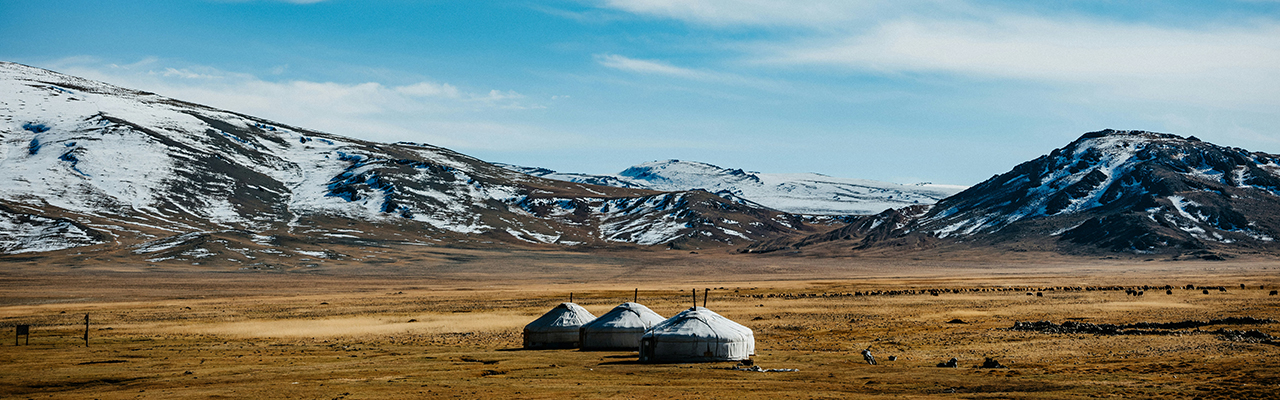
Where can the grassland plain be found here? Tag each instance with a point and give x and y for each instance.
(446, 323)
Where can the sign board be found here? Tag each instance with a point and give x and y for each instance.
(21, 330)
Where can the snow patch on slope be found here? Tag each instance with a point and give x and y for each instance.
(813, 194)
(23, 233)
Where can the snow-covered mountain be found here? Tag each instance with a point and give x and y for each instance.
(812, 194)
(85, 163)
(1198, 191)
(1128, 191)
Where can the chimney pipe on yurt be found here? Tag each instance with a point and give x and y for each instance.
(557, 328)
(697, 335)
(620, 328)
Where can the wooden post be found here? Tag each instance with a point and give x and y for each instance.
(570, 297)
(636, 297)
(705, 292)
(86, 330)
(695, 298)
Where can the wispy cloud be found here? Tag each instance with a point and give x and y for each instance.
(1207, 64)
(429, 89)
(650, 67)
(810, 13)
(1038, 48)
(276, 1)
(662, 68)
(433, 112)
(1137, 59)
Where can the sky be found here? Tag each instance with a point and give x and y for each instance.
(905, 91)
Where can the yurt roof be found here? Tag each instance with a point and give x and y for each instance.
(564, 316)
(699, 323)
(625, 316)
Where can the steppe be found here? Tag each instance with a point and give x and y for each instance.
(408, 322)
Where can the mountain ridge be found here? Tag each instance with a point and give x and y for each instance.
(87, 167)
(1134, 192)
(804, 193)
(121, 168)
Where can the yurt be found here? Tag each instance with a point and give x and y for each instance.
(697, 334)
(557, 328)
(620, 328)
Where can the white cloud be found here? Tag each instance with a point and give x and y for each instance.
(1220, 64)
(430, 112)
(184, 73)
(1037, 48)
(661, 68)
(648, 67)
(277, 1)
(751, 12)
(429, 89)
(496, 95)
(1223, 63)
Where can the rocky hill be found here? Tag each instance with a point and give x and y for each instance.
(1120, 191)
(87, 166)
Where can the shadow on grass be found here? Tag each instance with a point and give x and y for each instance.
(624, 362)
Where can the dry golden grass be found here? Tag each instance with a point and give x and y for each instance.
(345, 331)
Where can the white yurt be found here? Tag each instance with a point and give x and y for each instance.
(557, 328)
(620, 328)
(697, 334)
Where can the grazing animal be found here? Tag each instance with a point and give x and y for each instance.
(992, 363)
(866, 355)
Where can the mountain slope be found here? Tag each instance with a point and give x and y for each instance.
(812, 194)
(116, 167)
(1127, 191)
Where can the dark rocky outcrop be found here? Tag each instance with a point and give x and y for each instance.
(1154, 328)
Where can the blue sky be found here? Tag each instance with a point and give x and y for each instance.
(905, 91)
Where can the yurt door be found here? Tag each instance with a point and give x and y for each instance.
(646, 349)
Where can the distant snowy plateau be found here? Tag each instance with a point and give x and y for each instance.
(809, 193)
(84, 163)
